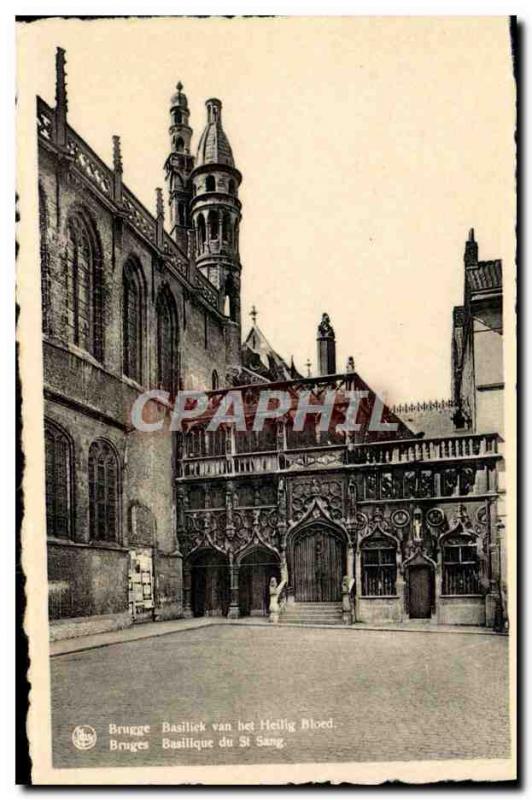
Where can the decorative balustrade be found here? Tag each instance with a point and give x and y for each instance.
(406, 451)
(45, 121)
(89, 163)
(139, 217)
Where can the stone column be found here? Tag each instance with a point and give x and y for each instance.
(234, 605)
(187, 592)
(350, 561)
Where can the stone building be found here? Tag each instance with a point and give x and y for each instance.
(295, 525)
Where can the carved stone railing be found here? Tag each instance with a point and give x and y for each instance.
(206, 289)
(92, 167)
(139, 216)
(278, 594)
(439, 449)
(45, 120)
(246, 463)
(405, 451)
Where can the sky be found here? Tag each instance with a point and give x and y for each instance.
(368, 148)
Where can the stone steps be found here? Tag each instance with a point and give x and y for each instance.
(312, 614)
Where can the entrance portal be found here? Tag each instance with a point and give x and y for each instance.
(255, 573)
(210, 584)
(318, 565)
(420, 591)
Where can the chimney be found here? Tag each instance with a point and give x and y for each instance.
(326, 347)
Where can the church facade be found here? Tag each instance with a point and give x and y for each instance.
(291, 525)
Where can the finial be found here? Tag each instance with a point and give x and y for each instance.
(350, 366)
(159, 202)
(254, 314)
(117, 155)
(179, 86)
(471, 234)
(61, 102)
(308, 365)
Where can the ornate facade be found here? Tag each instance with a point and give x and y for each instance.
(143, 526)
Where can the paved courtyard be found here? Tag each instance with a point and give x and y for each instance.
(248, 695)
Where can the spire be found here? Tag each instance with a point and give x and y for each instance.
(61, 101)
(471, 250)
(214, 147)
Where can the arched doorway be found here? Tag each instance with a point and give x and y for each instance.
(256, 569)
(318, 564)
(420, 587)
(209, 584)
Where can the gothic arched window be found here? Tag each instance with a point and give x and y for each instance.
(210, 183)
(215, 380)
(132, 320)
(212, 222)
(226, 227)
(45, 260)
(104, 492)
(379, 566)
(84, 287)
(201, 230)
(179, 145)
(460, 565)
(166, 342)
(231, 186)
(59, 481)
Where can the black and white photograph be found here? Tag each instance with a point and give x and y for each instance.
(267, 277)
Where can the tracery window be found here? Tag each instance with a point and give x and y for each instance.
(132, 321)
(59, 482)
(84, 288)
(379, 567)
(104, 483)
(166, 342)
(460, 566)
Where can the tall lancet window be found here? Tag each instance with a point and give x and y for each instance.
(167, 366)
(58, 455)
(84, 287)
(133, 308)
(104, 491)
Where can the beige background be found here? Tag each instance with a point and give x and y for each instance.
(368, 147)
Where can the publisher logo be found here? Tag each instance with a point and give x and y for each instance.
(84, 737)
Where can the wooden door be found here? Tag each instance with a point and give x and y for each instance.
(210, 585)
(255, 573)
(420, 580)
(318, 566)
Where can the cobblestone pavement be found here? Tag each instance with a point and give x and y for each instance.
(366, 696)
